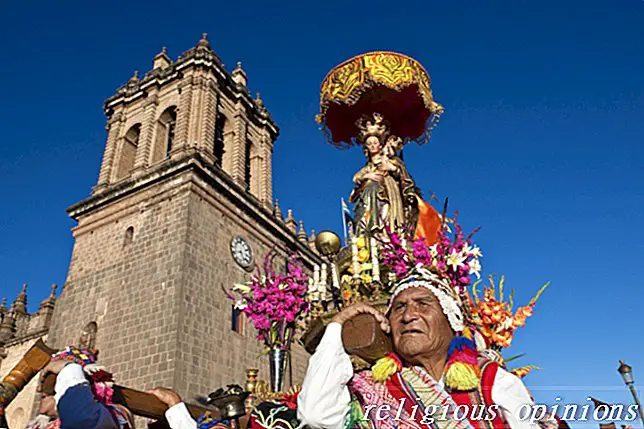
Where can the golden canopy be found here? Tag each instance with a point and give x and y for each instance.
(388, 83)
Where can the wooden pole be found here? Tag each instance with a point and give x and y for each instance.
(33, 361)
(147, 405)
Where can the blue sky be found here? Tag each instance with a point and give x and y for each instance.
(540, 145)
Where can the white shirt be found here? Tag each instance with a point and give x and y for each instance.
(71, 375)
(179, 418)
(324, 399)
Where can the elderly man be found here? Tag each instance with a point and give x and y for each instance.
(423, 317)
(82, 397)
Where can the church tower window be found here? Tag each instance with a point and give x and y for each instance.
(87, 338)
(237, 321)
(128, 152)
(219, 146)
(165, 134)
(129, 236)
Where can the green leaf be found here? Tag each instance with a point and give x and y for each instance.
(513, 358)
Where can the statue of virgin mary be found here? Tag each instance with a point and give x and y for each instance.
(384, 191)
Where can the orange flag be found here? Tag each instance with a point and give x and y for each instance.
(429, 223)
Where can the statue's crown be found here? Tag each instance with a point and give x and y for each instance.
(373, 125)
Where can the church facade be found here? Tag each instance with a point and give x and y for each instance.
(183, 208)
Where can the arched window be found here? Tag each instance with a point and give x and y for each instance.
(128, 152)
(129, 236)
(219, 143)
(165, 130)
(237, 321)
(87, 338)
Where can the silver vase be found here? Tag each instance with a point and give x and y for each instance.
(277, 365)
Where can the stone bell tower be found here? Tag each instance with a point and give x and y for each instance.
(182, 207)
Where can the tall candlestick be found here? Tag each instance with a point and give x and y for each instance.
(323, 279)
(375, 267)
(334, 274)
(354, 257)
(316, 275)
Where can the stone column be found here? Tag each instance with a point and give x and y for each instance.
(208, 119)
(256, 178)
(266, 184)
(195, 112)
(239, 145)
(114, 129)
(142, 160)
(184, 114)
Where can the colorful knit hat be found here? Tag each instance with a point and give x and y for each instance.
(74, 354)
(101, 380)
(448, 299)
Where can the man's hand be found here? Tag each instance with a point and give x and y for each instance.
(361, 308)
(165, 395)
(55, 367)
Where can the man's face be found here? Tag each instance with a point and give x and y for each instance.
(47, 400)
(418, 326)
(48, 406)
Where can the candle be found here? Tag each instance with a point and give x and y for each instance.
(354, 257)
(316, 275)
(375, 268)
(334, 274)
(324, 276)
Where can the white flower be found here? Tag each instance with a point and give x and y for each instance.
(455, 259)
(242, 288)
(433, 251)
(475, 267)
(241, 304)
(466, 249)
(476, 252)
(506, 324)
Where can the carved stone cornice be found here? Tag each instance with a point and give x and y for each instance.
(217, 179)
(195, 58)
(29, 336)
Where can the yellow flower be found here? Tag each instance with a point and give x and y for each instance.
(363, 255)
(361, 242)
(366, 278)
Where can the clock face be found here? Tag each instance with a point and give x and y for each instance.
(242, 253)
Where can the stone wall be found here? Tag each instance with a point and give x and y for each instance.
(162, 316)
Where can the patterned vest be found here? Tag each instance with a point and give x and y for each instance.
(411, 399)
(480, 402)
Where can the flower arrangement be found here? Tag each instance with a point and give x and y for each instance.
(453, 257)
(274, 301)
(494, 316)
(495, 322)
